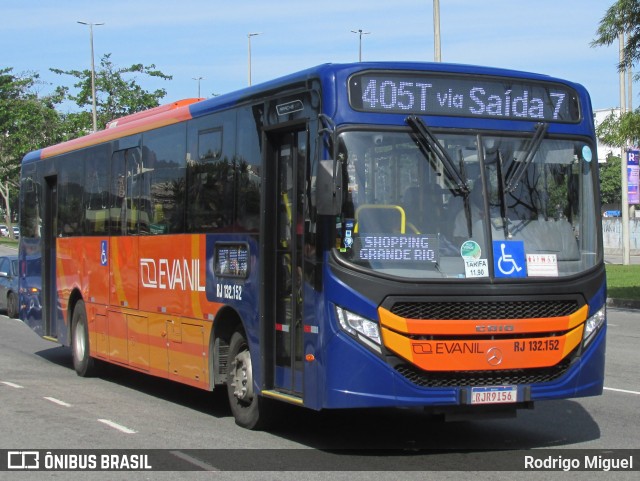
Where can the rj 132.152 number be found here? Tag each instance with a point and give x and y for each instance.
(229, 291)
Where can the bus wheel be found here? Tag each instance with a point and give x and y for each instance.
(12, 305)
(247, 407)
(82, 362)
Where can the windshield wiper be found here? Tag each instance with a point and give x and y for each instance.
(428, 142)
(467, 202)
(513, 177)
(502, 195)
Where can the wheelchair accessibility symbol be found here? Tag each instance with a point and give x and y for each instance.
(104, 255)
(509, 259)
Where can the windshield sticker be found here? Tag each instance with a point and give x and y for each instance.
(542, 265)
(509, 259)
(476, 268)
(470, 250)
(586, 153)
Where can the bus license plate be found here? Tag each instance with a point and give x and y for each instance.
(494, 395)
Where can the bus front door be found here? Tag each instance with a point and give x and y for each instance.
(289, 150)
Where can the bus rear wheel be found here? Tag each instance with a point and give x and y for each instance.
(84, 364)
(249, 409)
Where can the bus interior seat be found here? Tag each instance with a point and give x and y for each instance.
(380, 219)
(425, 210)
(414, 208)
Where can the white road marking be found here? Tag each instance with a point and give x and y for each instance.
(117, 426)
(194, 461)
(622, 390)
(10, 384)
(57, 401)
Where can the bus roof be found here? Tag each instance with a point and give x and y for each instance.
(153, 111)
(192, 108)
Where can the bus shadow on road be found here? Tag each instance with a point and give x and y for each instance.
(214, 403)
(551, 424)
(60, 355)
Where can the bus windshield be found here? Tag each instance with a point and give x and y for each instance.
(411, 211)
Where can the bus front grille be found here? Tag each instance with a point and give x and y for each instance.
(481, 378)
(476, 310)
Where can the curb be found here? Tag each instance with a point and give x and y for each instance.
(623, 303)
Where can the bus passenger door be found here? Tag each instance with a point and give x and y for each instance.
(49, 233)
(287, 171)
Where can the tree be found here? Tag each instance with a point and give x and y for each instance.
(616, 130)
(27, 122)
(117, 92)
(620, 129)
(610, 191)
(622, 16)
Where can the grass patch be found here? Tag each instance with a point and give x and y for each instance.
(623, 282)
(5, 241)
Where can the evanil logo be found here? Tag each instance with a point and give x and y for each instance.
(173, 274)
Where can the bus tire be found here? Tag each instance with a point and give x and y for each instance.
(12, 305)
(248, 408)
(84, 364)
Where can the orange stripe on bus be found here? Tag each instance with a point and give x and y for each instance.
(151, 112)
(483, 354)
(117, 286)
(128, 128)
(198, 251)
(165, 346)
(468, 327)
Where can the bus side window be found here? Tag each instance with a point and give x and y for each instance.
(96, 195)
(211, 183)
(70, 212)
(164, 169)
(117, 192)
(248, 179)
(30, 202)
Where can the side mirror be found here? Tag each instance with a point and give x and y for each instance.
(329, 187)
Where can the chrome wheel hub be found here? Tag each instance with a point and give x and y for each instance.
(242, 381)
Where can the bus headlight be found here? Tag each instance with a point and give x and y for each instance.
(363, 329)
(593, 324)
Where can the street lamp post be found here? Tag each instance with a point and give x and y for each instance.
(249, 35)
(624, 207)
(360, 34)
(436, 31)
(198, 80)
(93, 74)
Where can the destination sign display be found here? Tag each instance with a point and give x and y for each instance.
(463, 95)
(398, 248)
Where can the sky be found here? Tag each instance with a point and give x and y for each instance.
(188, 39)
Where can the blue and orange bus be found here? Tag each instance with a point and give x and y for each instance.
(349, 236)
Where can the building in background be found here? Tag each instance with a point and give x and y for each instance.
(604, 150)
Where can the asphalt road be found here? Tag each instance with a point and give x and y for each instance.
(617, 259)
(44, 405)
